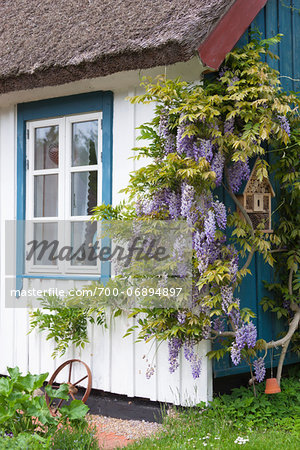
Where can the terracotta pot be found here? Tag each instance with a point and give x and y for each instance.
(272, 387)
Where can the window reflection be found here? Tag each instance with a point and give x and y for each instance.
(84, 143)
(46, 148)
(84, 193)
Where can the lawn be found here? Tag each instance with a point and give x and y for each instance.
(239, 419)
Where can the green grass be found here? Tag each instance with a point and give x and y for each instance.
(268, 421)
(191, 434)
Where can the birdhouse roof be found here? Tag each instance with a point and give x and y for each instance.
(249, 188)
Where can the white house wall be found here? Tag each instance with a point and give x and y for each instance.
(118, 364)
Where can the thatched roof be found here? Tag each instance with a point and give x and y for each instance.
(45, 42)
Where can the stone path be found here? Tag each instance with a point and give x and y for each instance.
(117, 433)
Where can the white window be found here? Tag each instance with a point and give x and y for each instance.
(63, 185)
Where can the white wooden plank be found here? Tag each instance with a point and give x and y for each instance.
(168, 384)
(122, 357)
(122, 144)
(194, 391)
(145, 359)
(101, 357)
(7, 212)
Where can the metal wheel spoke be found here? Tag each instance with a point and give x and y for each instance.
(81, 379)
(70, 370)
(59, 405)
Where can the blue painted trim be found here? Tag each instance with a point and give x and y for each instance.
(63, 277)
(57, 107)
(107, 164)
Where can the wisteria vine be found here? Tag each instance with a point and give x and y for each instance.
(205, 138)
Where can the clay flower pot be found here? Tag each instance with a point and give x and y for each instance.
(272, 387)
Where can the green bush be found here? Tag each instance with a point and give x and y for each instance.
(241, 408)
(21, 411)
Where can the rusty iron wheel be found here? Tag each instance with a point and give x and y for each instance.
(72, 385)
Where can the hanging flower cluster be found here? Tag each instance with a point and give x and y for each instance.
(205, 214)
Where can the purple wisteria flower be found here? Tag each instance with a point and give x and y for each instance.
(150, 372)
(251, 336)
(235, 315)
(217, 166)
(203, 149)
(163, 124)
(204, 202)
(165, 133)
(222, 71)
(154, 204)
(259, 369)
(233, 80)
(185, 144)
(238, 172)
(227, 297)
(234, 263)
(191, 356)
(220, 212)
(210, 226)
(187, 199)
(181, 317)
(139, 207)
(182, 268)
(235, 354)
(229, 126)
(174, 345)
(174, 205)
(218, 325)
(284, 124)
(246, 335)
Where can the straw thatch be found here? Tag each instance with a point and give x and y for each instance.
(45, 42)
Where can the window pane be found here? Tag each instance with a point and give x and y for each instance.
(46, 235)
(46, 196)
(84, 243)
(84, 143)
(46, 148)
(84, 193)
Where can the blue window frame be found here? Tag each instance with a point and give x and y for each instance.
(50, 108)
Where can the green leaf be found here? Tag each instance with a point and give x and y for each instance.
(6, 386)
(76, 410)
(14, 372)
(30, 382)
(5, 413)
(62, 392)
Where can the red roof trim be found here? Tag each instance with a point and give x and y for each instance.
(228, 31)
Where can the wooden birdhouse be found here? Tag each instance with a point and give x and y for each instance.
(256, 200)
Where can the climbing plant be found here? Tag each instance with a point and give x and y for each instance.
(204, 136)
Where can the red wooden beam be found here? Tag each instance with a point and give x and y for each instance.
(228, 31)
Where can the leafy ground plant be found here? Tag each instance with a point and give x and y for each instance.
(25, 417)
(23, 441)
(262, 422)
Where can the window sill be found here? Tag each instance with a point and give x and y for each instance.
(64, 277)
